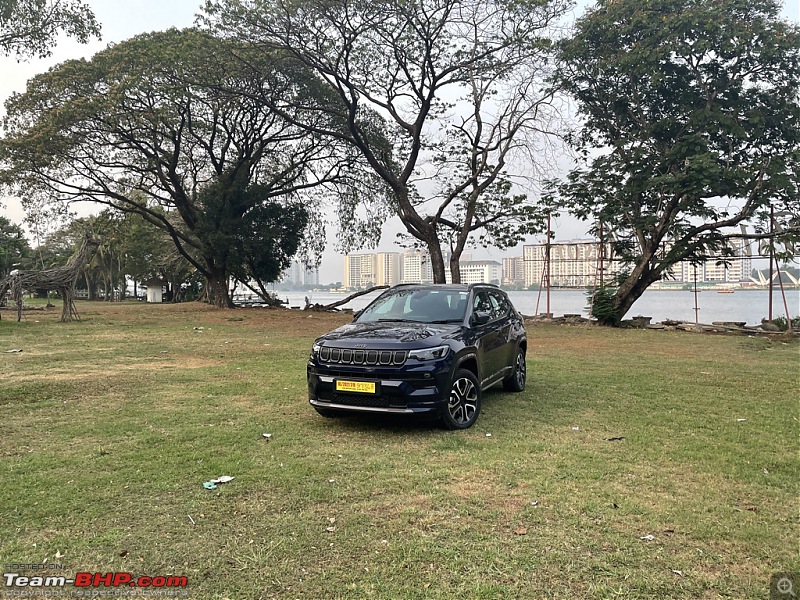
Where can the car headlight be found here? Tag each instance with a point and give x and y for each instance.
(315, 350)
(429, 353)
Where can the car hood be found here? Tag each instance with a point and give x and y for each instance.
(402, 333)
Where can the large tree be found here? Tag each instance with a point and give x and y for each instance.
(691, 125)
(28, 28)
(460, 83)
(158, 125)
(15, 252)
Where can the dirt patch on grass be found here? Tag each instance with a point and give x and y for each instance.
(481, 484)
(109, 371)
(296, 322)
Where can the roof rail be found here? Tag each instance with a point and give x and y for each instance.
(493, 285)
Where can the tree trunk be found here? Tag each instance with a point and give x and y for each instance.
(437, 260)
(123, 283)
(455, 269)
(463, 236)
(91, 288)
(177, 293)
(634, 286)
(218, 294)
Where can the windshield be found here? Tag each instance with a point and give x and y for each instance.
(417, 306)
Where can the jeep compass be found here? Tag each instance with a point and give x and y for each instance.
(421, 350)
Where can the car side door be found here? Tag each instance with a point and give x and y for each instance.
(487, 342)
(505, 349)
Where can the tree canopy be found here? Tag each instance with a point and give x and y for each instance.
(159, 126)
(15, 252)
(457, 85)
(28, 27)
(690, 125)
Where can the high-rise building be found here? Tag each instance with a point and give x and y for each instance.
(298, 273)
(417, 267)
(716, 269)
(359, 271)
(513, 270)
(388, 268)
(480, 271)
(572, 264)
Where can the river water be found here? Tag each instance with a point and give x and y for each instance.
(749, 306)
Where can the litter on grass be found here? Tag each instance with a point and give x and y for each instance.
(212, 484)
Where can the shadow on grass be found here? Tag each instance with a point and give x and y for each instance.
(401, 424)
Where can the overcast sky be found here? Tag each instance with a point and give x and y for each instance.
(122, 19)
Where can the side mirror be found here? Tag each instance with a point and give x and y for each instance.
(357, 314)
(481, 318)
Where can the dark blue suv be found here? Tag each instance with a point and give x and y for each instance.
(421, 349)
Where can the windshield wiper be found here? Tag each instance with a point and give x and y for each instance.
(398, 321)
(444, 321)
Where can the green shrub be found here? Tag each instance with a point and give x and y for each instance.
(780, 323)
(601, 305)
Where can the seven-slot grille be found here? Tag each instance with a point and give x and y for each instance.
(347, 356)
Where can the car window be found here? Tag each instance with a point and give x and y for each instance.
(418, 305)
(500, 305)
(481, 302)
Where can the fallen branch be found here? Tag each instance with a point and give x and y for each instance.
(334, 305)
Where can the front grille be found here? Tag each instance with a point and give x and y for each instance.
(368, 401)
(347, 356)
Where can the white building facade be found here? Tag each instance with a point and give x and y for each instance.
(299, 273)
(388, 268)
(359, 271)
(480, 271)
(573, 263)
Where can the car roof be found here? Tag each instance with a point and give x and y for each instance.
(461, 287)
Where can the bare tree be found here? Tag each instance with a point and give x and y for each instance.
(460, 84)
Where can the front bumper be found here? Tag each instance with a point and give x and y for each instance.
(415, 388)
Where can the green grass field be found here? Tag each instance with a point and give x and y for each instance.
(111, 425)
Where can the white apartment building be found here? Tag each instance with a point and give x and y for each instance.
(412, 266)
(513, 270)
(735, 268)
(480, 271)
(416, 267)
(359, 271)
(573, 263)
(299, 273)
(388, 268)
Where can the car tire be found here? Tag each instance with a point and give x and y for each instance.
(463, 402)
(516, 381)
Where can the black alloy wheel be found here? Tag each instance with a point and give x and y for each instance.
(516, 381)
(464, 404)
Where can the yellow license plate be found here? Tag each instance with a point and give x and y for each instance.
(365, 387)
